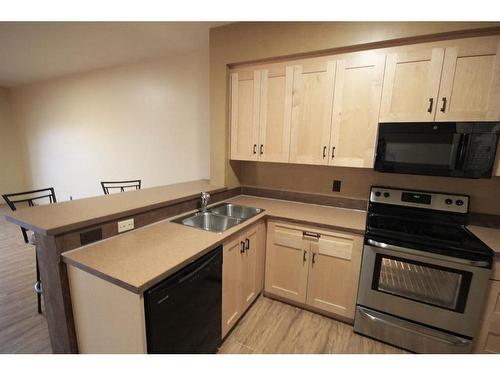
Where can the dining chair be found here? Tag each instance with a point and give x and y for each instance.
(31, 198)
(122, 185)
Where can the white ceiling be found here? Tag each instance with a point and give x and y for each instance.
(34, 51)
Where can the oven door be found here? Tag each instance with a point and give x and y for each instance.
(426, 149)
(432, 289)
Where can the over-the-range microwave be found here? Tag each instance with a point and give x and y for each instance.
(454, 149)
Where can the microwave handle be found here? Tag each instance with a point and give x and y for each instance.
(461, 151)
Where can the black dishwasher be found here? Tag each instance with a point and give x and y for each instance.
(183, 312)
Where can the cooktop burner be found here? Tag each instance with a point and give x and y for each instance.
(428, 221)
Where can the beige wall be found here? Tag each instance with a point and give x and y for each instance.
(147, 120)
(243, 42)
(356, 182)
(12, 167)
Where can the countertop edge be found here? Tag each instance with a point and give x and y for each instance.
(142, 288)
(102, 219)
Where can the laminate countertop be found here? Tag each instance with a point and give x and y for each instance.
(52, 219)
(138, 259)
(490, 236)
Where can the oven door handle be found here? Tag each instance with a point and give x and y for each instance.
(449, 339)
(476, 263)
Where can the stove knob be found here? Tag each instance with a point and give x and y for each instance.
(459, 202)
(386, 195)
(448, 201)
(377, 193)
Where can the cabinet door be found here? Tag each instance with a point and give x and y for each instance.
(231, 284)
(312, 104)
(250, 287)
(287, 259)
(489, 337)
(275, 114)
(470, 83)
(245, 102)
(356, 105)
(411, 85)
(334, 273)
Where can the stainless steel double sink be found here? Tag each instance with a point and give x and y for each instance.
(219, 218)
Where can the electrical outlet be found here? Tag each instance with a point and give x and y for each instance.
(336, 185)
(125, 225)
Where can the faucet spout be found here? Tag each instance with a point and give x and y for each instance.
(204, 201)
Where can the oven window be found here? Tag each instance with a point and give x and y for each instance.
(426, 283)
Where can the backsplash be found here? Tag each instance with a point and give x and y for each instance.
(356, 182)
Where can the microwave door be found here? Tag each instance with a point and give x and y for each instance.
(418, 153)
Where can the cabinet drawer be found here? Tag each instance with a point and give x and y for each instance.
(336, 245)
(288, 236)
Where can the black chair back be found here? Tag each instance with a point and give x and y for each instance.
(122, 185)
(31, 198)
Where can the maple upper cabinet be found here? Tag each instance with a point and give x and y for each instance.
(261, 104)
(411, 85)
(470, 82)
(356, 105)
(312, 104)
(245, 106)
(275, 114)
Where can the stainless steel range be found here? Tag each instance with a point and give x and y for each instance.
(423, 274)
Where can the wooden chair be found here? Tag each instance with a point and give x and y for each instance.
(30, 197)
(122, 185)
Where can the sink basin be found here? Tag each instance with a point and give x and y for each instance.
(236, 211)
(219, 218)
(209, 221)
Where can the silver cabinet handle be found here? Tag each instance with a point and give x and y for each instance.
(311, 235)
(304, 256)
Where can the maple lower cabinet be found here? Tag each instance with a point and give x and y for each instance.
(470, 82)
(287, 261)
(312, 105)
(334, 272)
(356, 106)
(242, 273)
(411, 85)
(314, 267)
(244, 117)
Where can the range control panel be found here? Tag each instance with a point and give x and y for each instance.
(421, 199)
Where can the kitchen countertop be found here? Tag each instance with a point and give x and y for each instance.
(138, 259)
(490, 236)
(52, 219)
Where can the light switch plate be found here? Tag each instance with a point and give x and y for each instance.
(125, 225)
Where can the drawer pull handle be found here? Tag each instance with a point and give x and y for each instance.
(311, 235)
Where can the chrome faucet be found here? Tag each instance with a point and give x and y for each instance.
(204, 201)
